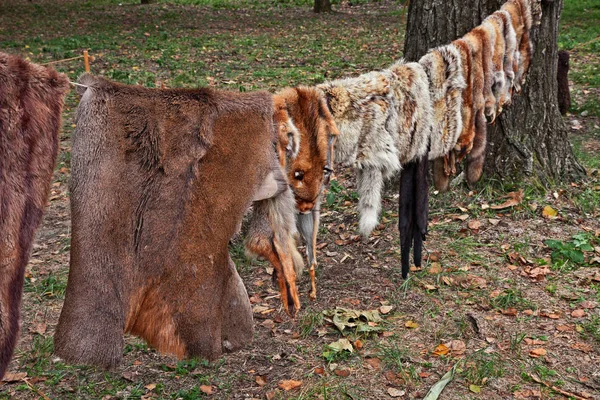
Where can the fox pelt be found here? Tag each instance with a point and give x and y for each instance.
(499, 88)
(510, 41)
(161, 179)
(479, 41)
(31, 102)
(522, 21)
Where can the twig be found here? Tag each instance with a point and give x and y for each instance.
(58, 61)
(558, 390)
(36, 390)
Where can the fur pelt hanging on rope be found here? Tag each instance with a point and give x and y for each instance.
(306, 132)
(160, 181)
(31, 102)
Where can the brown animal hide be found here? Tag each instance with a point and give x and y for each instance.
(160, 181)
(465, 140)
(311, 169)
(478, 40)
(513, 7)
(562, 76)
(31, 101)
(495, 23)
(510, 41)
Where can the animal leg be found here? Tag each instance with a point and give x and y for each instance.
(289, 277)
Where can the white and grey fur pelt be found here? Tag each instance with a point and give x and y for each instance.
(384, 119)
(443, 66)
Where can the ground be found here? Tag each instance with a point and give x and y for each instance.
(517, 317)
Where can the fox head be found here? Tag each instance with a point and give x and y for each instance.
(312, 166)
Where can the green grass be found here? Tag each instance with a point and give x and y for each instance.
(579, 25)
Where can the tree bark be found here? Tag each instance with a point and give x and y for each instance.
(529, 137)
(322, 6)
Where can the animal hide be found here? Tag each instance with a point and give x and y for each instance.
(160, 181)
(499, 88)
(31, 102)
(465, 140)
(364, 111)
(444, 69)
(526, 45)
(510, 41)
(313, 166)
(519, 23)
(479, 42)
(562, 76)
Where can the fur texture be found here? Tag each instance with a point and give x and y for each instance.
(499, 88)
(510, 41)
(31, 102)
(514, 9)
(364, 111)
(478, 40)
(465, 140)
(313, 166)
(562, 76)
(446, 84)
(160, 182)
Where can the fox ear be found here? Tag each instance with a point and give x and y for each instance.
(293, 146)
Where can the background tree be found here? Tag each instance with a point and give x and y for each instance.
(530, 136)
(322, 6)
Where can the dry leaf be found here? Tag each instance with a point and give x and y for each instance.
(456, 347)
(150, 387)
(564, 328)
(514, 198)
(393, 392)
(510, 312)
(358, 344)
(549, 212)
(411, 325)
(474, 225)
(373, 362)
(435, 268)
(270, 395)
(578, 313)
(535, 353)
(207, 389)
(586, 348)
(344, 373)
(289, 384)
(14, 376)
(430, 287)
(319, 371)
(494, 221)
(260, 380)
(441, 350)
(463, 217)
(385, 309)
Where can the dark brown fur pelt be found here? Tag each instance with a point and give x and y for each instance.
(31, 101)
(161, 179)
(562, 76)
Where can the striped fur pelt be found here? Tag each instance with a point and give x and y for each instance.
(31, 102)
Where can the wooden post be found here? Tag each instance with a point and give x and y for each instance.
(86, 61)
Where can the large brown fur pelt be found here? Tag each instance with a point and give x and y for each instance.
(31, 102)
(562, 76)
(161, 179)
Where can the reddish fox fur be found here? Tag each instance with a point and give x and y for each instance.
(160, 181)
(31, 102)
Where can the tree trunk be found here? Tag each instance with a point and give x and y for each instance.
(529, 137)
(322, 6)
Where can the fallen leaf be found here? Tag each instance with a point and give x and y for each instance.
(430, 287)
(150, 387)
(463, 217)
(474, 225)
(586, 348)
(255, 298)
(207, 389)
(319, 371)
(373, 362)
(515, 198)
(289, 384)
(260, 380)
(535, 353)
(578, 313)
(358, 344)
(385, 309)
(456, 347)
(527, 393)
(441, 350)
(393, 392)
(475, 388)
(588, 305)
(270, 395)
(549, 212)
(564, 328)
(510, 312)
(341, 345)
(14, 376)
(435, 268)
(39, 328)
(494, 221)
(411, 325)
(344, 373)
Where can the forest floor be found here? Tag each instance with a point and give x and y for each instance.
(516, 317)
